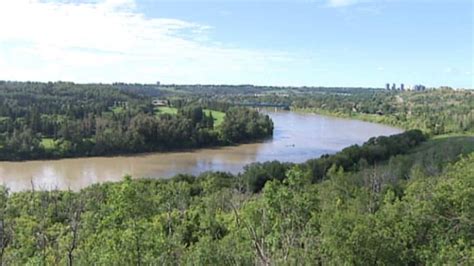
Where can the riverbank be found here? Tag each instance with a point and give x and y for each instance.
(380, 119)
(144, 133)
(207, 217)
(48, 143)
(374, 118)
(296, 139)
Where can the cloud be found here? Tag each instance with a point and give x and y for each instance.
(108, 40)
(449, 70)
(341, 3)
(347, 3)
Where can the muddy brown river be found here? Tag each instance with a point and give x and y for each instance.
(297, 138)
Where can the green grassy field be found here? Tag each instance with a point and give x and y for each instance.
(117, 110)
(218, 116)
(166, 110)
(48, 143)
(363, 117)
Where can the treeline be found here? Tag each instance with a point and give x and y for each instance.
(124, 133)
(57, 120)
(436, 112)
(394, 213)
(251, 90)
(352, 158)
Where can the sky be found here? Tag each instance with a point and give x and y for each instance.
(354, 43)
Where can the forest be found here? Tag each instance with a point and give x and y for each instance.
(410, 204)
(57, 120)
(436, 111)
(440, 111)
(405, 199)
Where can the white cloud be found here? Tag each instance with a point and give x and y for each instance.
(106, 41)
(341, 3)
(448, 70)
(369, 4)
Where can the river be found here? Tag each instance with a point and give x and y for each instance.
(297, 138)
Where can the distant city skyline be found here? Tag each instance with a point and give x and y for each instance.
(350, 43)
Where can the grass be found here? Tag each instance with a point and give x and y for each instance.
(389, 120)
(113, 111)
(48, 143)
(217, 115)
(117, 109)
(374, 118)
(166, 110)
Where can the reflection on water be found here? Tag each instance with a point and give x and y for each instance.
(297, 138)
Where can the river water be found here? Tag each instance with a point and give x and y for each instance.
(297, 138)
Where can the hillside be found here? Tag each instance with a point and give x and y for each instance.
(413, 207)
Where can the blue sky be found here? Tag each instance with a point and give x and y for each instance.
(300, 42)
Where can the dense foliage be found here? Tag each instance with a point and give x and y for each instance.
(411, 209)
(398, 200)
(55, 120)
(436, 111)
(352, 158)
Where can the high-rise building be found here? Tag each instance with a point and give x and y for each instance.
(402, 87)
(419, 88)
(387, 86)
(394, 86)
